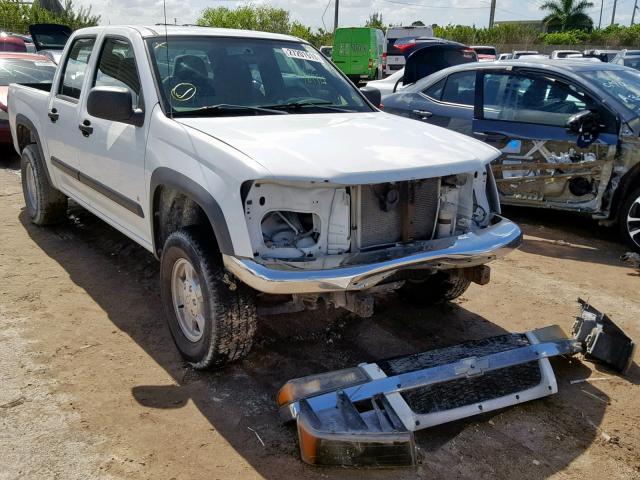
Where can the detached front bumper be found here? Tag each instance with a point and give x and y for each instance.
(359, 272)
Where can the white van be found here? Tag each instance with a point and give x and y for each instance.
(394, 59)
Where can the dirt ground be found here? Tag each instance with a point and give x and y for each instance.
(91, 385)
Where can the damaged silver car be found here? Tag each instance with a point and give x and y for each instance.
(568, 131)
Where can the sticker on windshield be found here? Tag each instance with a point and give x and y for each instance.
(302, 54)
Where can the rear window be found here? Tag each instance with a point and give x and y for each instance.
(392, 49)
(485, 50)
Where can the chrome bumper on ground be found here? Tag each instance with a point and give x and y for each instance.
(467, 250)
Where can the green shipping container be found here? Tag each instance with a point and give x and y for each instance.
(358, 52)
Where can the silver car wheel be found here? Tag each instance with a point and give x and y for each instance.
(188, 303)
(32, 197)
(633, 221)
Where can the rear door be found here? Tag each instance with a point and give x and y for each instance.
(63, 135)
(524, 114)
(341, 54)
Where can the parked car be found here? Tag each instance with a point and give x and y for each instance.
(387, 85)
(425, 56)
(358, 53)
(523, 53)
(602, 55)
(20, 68)
(505, 56)
(394, 58)
(327, 51)
(242, 179)
(565, 54)
(485, 53)
(49, 39)
(628, 58)
(9, 43)
(568, 131)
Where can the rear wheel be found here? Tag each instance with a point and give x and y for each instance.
(212, 323)
(440, 287)
(629, 220)
(45, 204)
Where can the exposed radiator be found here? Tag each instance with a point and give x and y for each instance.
(382, 223)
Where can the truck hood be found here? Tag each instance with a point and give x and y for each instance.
(347, 148)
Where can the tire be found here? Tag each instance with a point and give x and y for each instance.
(215, 325)
(45, 204)
(628, 226)
(437, 288)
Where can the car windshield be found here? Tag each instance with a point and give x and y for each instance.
(248, 76)
(25, 71)
(623, 85)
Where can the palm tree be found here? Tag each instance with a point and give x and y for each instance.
(567, 14)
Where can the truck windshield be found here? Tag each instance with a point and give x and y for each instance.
(623, 85)
(25, 71)
(231, 76)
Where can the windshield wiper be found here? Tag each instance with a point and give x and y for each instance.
(301, 105)
(225, 108)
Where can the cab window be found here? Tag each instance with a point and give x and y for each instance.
(117, 68)
(435, 90)
(75, 68)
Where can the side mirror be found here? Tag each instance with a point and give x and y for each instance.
(115, 104)
(373, 95)
(586, 125)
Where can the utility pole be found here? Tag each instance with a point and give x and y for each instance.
(633, 15)
(601, 7)
(335, 18)
(613, 14)
(492, 14)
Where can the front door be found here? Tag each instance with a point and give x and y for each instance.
(524, 114)
(112, 160)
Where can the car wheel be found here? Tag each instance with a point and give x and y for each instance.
(212, 322)
(437, 288)
(629, 220)
(45, 204)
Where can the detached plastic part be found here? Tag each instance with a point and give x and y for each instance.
(359, 447)
(603, 341)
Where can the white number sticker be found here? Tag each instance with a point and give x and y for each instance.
(302, 54)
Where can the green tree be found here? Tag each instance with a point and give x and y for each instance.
(247, 17)
(16, 16)
(567, 15)
(375, 21)
(418, 23)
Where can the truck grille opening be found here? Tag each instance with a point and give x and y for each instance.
(398, 212)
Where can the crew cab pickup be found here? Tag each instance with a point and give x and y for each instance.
(258, 175)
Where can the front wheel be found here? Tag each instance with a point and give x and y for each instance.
(440, 287)
(212, 323)
(629, 219)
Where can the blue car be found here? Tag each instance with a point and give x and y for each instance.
(568, 131)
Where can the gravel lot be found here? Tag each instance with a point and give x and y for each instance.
(91, 385)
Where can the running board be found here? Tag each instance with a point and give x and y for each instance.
(367, 415)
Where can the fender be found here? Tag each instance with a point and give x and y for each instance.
(164, 176)
(24, 121)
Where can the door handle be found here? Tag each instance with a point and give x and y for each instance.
(423, 113)
(53, 115)
(86, 128)
(491, 136)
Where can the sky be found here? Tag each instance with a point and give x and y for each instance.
(319, 13)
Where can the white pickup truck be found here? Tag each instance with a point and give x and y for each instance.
(246, 162)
